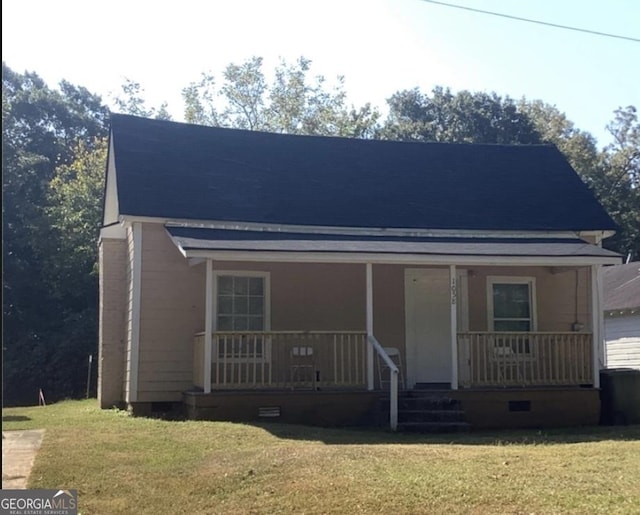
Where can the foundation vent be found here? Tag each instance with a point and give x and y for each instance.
(519, 405)
(269, 411)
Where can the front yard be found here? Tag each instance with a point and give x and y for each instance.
(121, 464)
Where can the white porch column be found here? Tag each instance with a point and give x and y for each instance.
(208, 326)
(370, 384)
(596, 321)
(454, 326)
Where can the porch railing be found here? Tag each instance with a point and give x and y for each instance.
(393, 382)
(487, 359)
(284, 360)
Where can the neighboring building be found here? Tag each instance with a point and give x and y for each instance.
(249, 275)
(622, 315)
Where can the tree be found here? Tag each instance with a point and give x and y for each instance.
(131, 101)
(74, 216)
(292, 103)
(618, 183)
(463, 117)
(39, 128)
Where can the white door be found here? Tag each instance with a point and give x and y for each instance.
(428, 324)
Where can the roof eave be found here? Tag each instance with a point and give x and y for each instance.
(373, 231)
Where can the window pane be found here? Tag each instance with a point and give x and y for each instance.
(256, 286)
(256, 305)
(511, 301)
(256, 323)
(240, 305)
(225, 285)
(225, 323)
(512, 325)
(240, 324)
(240, 285)
(225, 305)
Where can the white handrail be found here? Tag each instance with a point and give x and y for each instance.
(393, 394)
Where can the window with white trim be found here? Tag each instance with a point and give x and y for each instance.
(241, 306)
(511, 306)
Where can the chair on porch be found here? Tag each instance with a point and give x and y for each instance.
(384, 373)
(303, 372)
(508, 367)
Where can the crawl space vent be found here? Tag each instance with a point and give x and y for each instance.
(269, 411)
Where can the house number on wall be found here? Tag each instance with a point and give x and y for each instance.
(454, 292)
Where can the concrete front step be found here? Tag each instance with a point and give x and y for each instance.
(427, 412)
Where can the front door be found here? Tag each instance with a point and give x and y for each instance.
(428, 324)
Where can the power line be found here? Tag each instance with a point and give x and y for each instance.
(557, 26)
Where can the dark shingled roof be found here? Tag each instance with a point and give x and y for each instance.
(621, 285)
(181, 171)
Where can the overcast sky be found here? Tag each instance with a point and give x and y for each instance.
(380, 46)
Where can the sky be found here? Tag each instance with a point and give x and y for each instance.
(379, 46)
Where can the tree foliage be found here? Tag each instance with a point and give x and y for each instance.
(293, 102)
(618, 183)
(463, 117)
(74, 215)
(40, 128)
(131, 101)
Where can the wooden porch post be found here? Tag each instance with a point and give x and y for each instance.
(596, 321)
(208, 326)
(454, 326)
(370, 384)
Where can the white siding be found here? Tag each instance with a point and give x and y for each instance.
(622, 336)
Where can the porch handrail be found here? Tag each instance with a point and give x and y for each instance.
(393, 385)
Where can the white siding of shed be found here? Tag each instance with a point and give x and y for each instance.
(622, 336)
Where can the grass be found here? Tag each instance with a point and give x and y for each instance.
(121, 464)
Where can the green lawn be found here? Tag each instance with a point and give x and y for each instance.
(121, 464)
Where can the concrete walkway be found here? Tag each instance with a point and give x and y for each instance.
(19, 449)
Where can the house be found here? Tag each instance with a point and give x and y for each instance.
(248, 275)
(622, 315)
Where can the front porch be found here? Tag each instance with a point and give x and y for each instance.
(518, 379)
(337, 360)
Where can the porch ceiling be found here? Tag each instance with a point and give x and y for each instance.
(197, 242)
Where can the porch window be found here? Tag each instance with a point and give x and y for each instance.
(241, 306)
(511, 302)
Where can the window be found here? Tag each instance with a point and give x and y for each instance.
(241, 305)
(511, 306)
